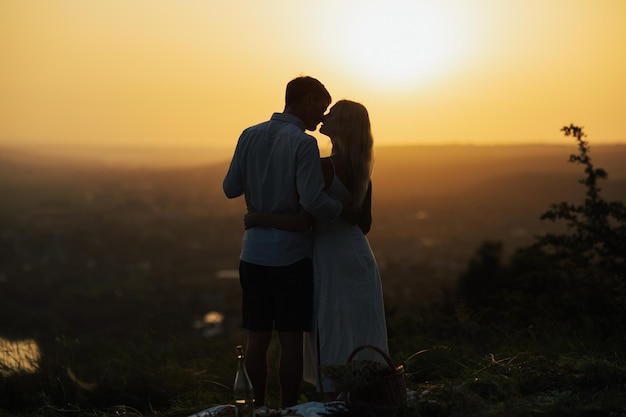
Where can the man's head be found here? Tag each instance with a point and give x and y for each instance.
(308, 99)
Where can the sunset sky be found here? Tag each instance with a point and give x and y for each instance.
(196, 72)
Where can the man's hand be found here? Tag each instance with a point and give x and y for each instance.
(249, 220)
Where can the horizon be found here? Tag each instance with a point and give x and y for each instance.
(172, 156)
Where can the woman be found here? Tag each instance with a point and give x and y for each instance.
(348, 300)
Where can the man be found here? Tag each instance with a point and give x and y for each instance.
(276, 166)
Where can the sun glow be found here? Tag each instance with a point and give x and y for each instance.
(395, 43)
(172, 77)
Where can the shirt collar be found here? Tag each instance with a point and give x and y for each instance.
(288, 118)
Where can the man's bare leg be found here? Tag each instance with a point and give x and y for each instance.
(291, 365)
(256, 363)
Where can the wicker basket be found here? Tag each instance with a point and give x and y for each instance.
(388, 391)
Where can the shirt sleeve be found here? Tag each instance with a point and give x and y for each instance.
(233, 182)
(310, 184)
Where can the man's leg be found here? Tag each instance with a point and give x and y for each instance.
(290, 371)
(293, 308)
(257, 319)
(256, 363)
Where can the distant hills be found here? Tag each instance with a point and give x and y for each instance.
(440, 170)
(433, 205)
(123, 157)
(399, 171)
(426, 155)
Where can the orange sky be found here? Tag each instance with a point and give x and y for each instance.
(196, 72)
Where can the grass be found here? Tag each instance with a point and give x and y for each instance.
(145, 376)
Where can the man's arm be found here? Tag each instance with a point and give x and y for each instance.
(310, 184)
(233, 181)
(294, 222)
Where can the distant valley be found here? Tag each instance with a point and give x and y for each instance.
(433, 206)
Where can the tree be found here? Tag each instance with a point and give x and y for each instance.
(596, 228)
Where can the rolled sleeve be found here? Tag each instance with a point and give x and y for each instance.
(233, 181)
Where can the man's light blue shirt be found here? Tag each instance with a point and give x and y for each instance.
(276, 166)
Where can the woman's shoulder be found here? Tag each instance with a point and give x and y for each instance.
(341, 169)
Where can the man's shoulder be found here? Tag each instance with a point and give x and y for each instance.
(300, 135)
(257, 127)
(280, 125)
(293, 133)
(291, 125)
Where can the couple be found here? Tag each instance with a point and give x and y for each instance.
(305, 263)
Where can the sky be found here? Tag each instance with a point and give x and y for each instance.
(197, 72)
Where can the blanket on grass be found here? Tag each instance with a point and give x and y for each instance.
(310, 409)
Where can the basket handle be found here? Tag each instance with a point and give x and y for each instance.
(377, 349)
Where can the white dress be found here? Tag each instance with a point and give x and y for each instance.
(348, 298)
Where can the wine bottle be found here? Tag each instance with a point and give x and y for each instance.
(242, 389)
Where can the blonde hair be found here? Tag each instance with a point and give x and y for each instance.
(354, 143)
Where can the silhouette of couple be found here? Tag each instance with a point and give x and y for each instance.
(306, 268)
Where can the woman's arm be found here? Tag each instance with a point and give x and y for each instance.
(293, 222)
(364, 217)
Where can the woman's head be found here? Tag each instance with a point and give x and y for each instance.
(347, 124)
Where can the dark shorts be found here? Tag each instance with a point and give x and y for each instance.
(277, 297)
